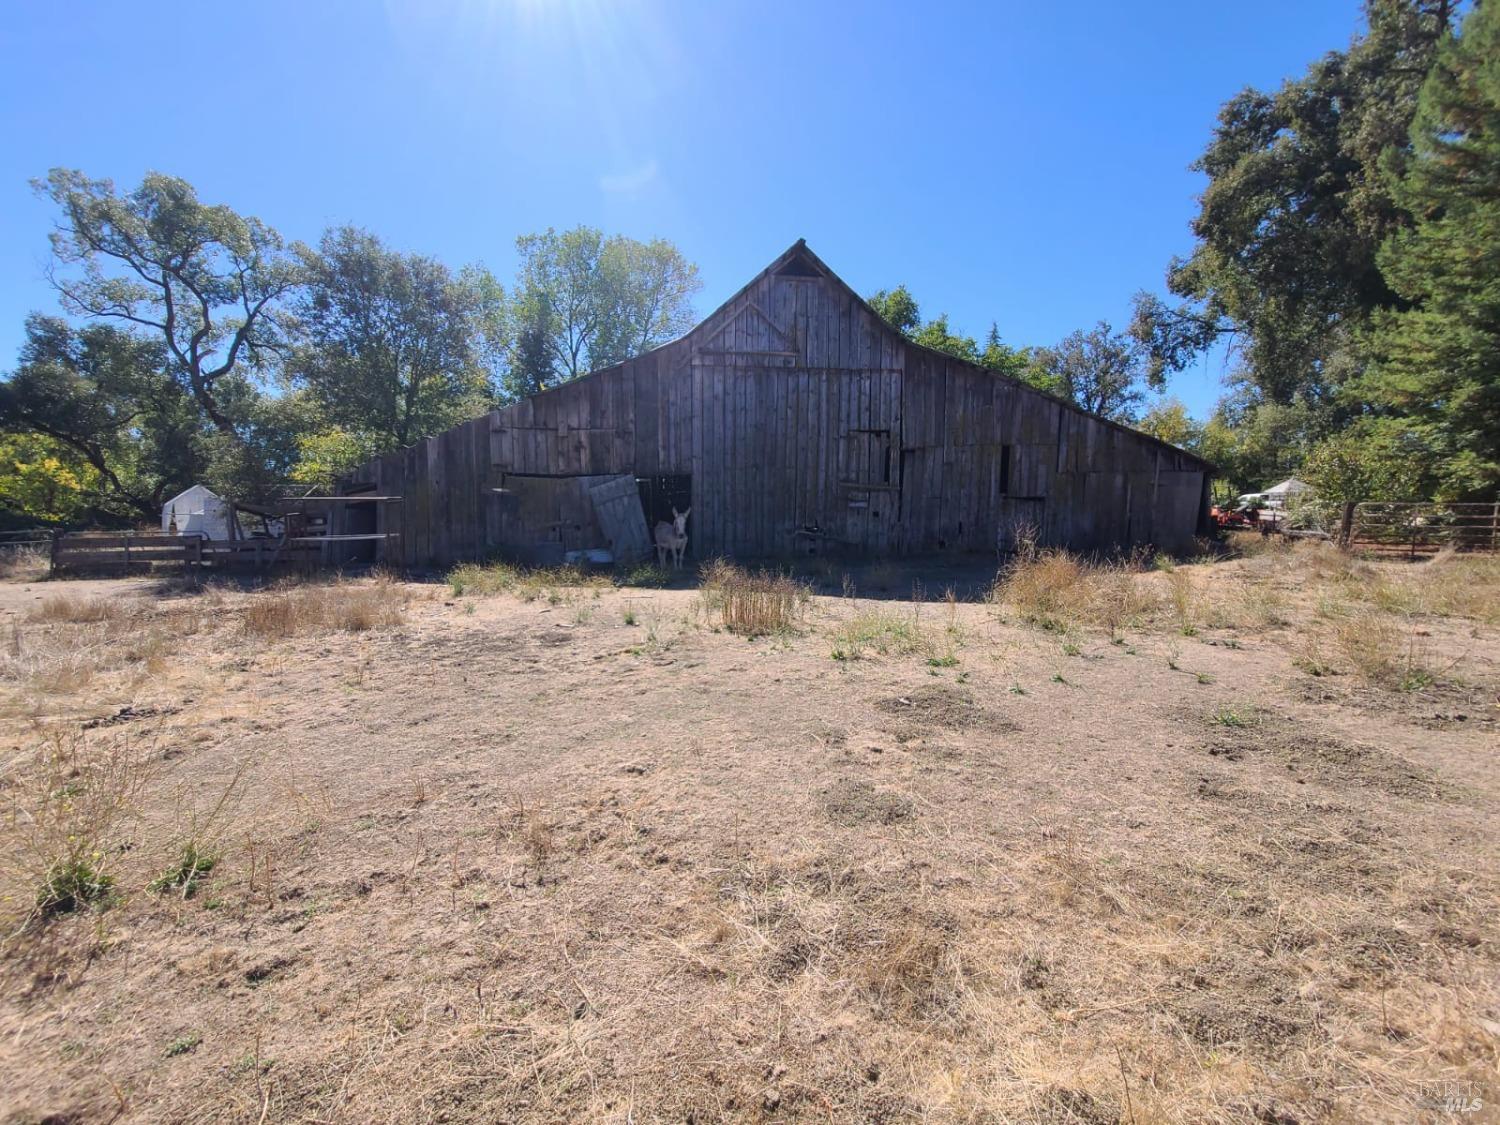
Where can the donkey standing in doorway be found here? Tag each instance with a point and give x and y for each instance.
(672, 537)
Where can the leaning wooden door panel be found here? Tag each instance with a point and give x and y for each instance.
(617, 506)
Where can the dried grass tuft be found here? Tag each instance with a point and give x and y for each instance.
(70, 798)
(1382, 653)
(23, 564)
(915, 972)
(488, 579)
(1056, 590)
(291, 610)
(752, 604)
(75, 609)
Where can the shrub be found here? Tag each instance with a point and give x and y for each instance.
(1180, 589)
(1382, 654)
(644, 574)
(23, 564)
(884, 632)
(183, 1045)
(68, 799)
(1238, 718)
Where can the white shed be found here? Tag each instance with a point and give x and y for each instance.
(196, 511)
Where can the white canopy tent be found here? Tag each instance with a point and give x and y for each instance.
(1278, 496)
(196, 511)
(1288, 488)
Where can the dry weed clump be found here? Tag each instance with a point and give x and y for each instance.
(290, 610)
(916, 971)
(487, 579)
(753, 604)
(1382, 653)
(69, 799)
(884, 632)
(23, 564)
(74, 609)
(66, 642)
(1055, 590)
(1446, 585)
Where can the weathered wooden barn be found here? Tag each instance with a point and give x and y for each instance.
(792, 420)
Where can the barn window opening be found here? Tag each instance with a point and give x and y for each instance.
(1005, 470)
(865, 459)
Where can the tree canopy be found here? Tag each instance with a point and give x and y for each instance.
(1300, 197)
(898, 308)
(1101, 370)
(104, 396)
(585, 301)
(199, 345)
(203, 280)
(1346, 250)
(393, 346)
(1433, 380)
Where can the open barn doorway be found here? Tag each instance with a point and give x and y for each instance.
(359, 519)
(660, 494)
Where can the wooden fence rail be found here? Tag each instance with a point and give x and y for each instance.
(121, 552)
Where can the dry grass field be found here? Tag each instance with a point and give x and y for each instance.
(1206, 842)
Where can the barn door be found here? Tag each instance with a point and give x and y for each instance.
(869, 459)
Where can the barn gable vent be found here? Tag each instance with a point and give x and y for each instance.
(799, 265)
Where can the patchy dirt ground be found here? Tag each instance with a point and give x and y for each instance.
(586, 857)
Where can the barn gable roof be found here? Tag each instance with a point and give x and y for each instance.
(798, 260)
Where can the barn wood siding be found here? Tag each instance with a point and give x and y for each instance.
(783, 407)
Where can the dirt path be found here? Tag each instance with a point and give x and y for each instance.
(527, 861)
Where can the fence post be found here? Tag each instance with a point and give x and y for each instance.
(1346, 524)
(1495, 527)
(57, 534)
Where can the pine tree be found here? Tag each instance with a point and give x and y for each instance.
(1436, 363)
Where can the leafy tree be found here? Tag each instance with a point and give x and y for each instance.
(1100, 370)
(202, 280)
(1169, 421)
(935, 334)
(653, 287)
(43, 480)
(394, 346)
(1298, 202)
(326, 455)
(898, 308)
(596, 301)
(105, 395)
(1001, 357)
(1376, 459)
(1255, 443)
(531, 357)
(1436, 361)
(260, 463)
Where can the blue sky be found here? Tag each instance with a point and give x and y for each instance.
(1016, 162)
